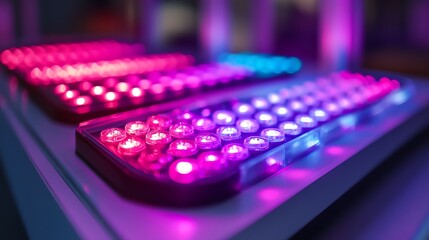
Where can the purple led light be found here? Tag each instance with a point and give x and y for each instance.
(207, 141)
(260, 103)
(112, 135)
(184, 170)
(282, 112)
(309, 100)
(305, 121)
(224, 117)
(332, 108)
(228, 133)
(212, 161)
(181, 130)
(275, 98)
(345, 103)
(243, 109)
(266, 118)
(297, 106)
(183, 148)
(159, 121)
(154, 161)
(247, 125)
(203, 124)
(235, 152)
(273, 134)
(158, 138)
(137, 128)
(131, 147)
(255, 143)
(185, 116)
(290, 128)
(319, 114)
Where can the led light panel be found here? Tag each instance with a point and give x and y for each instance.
(194, 155)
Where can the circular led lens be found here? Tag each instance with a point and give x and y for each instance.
(297, 106)
(266, 118)
(290, 128)
(260, 103)
(154, 161)
(224, 117)
(282, 112)
(207, 141)
(247, 125)
(185, 116)
(158, 137)
(203, 124)
(81, 101)
(275, 98)
(137, 128)
(112, 135)
(235, 152)
(182, 148)
(243, 109)
(228, 133)
(273, 134)
(255, 143)
(212, 161)
(131, 147)
(181, 130)
(332, 108)
(184, 170)
(319, 114)
(159, 121)
(306, 121)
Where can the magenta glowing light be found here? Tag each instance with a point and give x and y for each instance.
(228, 133)
(81, 101)
(275, 98)
(181, 130)
(98, 90)
(282, 112)
(184, 170)
(247, 125)
(319, 114)
(112, 136)
(305, 121)
(243, 109)
(207, 141)
(137, 128)
(224, 117)
(212, 161)
(158, 137)
(266, 118)
(203, 124)
(290, 128)
(235, 152)
(297, 106)
(61, 89)
(255, 143)
(183, 148)
(159, 121)
(273, 134)
(332, 108)
(131, 147)
(260, 103)
(154, 161)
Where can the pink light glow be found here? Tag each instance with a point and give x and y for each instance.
(184, 170)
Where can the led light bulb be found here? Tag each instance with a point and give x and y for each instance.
(228, 133)
(137, 128)
(181, 130)
(131, 147)
(247, 125)
(235, 152)
(203, 124)
(158, 138)
(290, 128)
(183, 148)
(184, 170)
(266, 118)
(212, 161)
(159, 121)
(224, 117)
(112, 136)
(273, 134)
(255, 143)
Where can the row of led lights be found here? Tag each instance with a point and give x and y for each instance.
(111, 89)
(41, 55)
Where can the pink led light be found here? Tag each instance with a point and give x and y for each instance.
(112, 135)
(273, 134)
(305, 121)
(255, 143)
(228, 133)
(184, 170)
(203, 124)
(81, 101)
(212, 161)
(131, 147)
(181, 130)
(309, 100)
(282, 112)
(207, 141)
(137, 128)
(70, 94)
(332, 108)
(319, 114)
(243, 109)
(185, 116)
(136, 92)
(275, 98)
(111, 96)
(266, 118)
(154, 161)
(145, 84)
(98, 90)
(235, 152)
(122, 87)
(247, 125)
(85, 86)
(345, 103)
(290, 128)
(158, 137)
(157, 88)
(260, 103)
(61, 89)
(296, 106)
(224, 117)
(159, 121)
(183, 148)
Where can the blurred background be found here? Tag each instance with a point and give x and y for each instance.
(395, 35)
